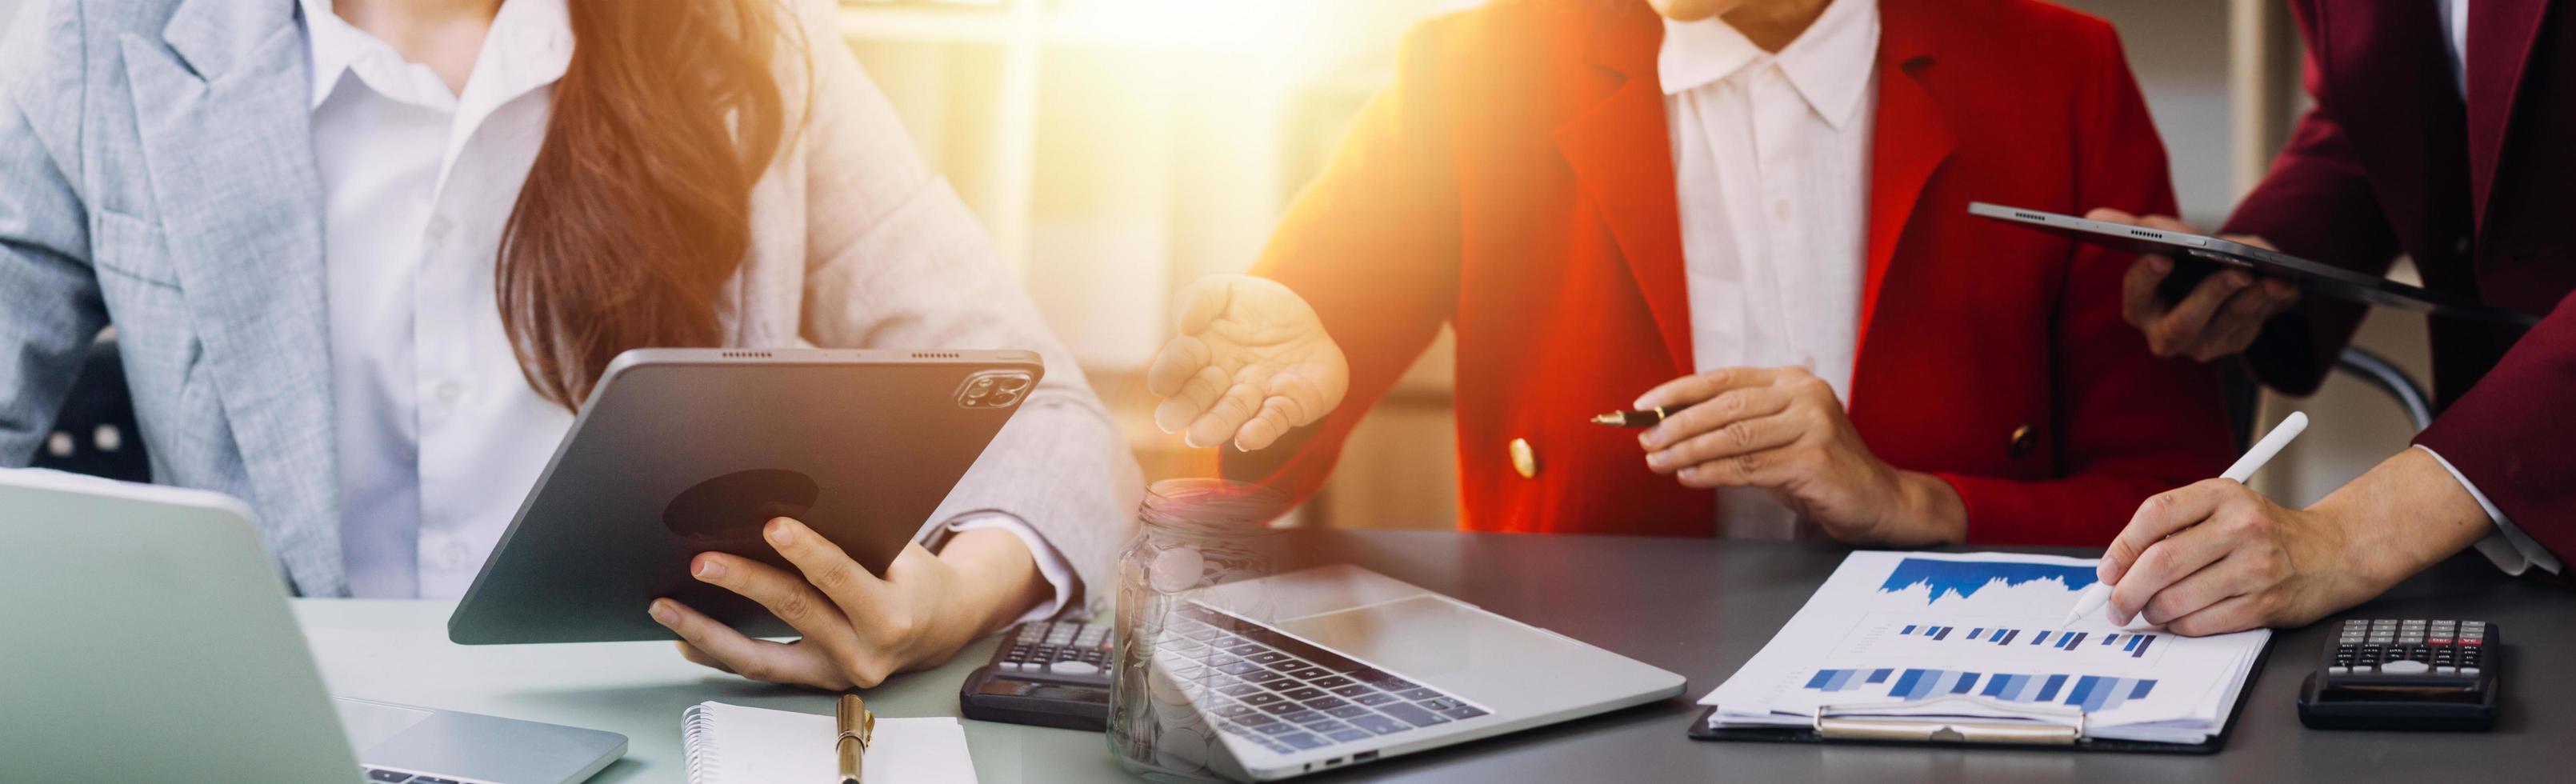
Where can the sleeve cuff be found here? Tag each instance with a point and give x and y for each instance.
(1051, 563)
(2509, 548)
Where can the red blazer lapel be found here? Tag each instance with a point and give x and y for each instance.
(1907, 144)
(1622, 156)
(2501, 34)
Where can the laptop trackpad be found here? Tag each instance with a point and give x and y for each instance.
(369, 724)
(1423, 636)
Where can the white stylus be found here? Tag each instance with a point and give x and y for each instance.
(2100, 592)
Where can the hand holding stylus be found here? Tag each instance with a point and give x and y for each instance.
(2243, 469)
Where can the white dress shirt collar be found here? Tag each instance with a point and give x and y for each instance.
(531, 42)
(1830, 64)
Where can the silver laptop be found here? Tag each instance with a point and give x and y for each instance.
(1335, 666)
(149, 639)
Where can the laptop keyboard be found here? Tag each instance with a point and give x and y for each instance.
(1287, 695)
(383, 776)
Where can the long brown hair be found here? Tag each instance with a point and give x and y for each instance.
(638, 207)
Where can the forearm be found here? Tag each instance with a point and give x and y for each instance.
(1932, 512)
(998, 578)
(2406, 514)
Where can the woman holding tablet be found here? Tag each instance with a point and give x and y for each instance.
(364, 258)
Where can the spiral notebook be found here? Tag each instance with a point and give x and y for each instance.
(732, 744)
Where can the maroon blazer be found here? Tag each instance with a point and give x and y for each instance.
(2480, 193)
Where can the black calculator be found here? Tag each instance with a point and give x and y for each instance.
(2412, 674)
(1046, 673)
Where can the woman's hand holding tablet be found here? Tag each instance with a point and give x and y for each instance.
(858, 629)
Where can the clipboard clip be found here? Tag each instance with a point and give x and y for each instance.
(1923, 721)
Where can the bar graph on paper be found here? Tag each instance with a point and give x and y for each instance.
(1929, 640)
(2133, 645)
(2088, 693)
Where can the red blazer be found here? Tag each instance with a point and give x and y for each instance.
(2391, 160)
(1516, 183)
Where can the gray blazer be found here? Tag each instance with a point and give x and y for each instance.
(157, 174)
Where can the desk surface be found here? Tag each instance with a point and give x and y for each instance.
(1696, 607)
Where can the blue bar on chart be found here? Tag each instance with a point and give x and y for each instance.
(2087, 692)
(2096, 693)
(1847, 680)
(1910, 685)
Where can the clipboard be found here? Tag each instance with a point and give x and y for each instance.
(2055, 732)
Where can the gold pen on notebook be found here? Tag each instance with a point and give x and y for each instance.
(1647, 418)
(858, 728)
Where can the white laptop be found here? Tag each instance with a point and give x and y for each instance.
(149, 639)
(1335, 666)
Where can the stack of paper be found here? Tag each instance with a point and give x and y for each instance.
(1891, 631)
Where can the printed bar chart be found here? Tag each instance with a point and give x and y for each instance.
(2088, 693)
(1847, 680)
(2132, 643)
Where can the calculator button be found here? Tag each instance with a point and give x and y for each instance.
(2472, 642)
(1075, 668)
(2446, 670)
(2338, 670)
(2439, 642)
(2403, 667)
(2468, 671)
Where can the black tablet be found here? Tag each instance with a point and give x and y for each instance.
(684, 451)
(2311, 277)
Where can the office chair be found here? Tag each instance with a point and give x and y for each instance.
(95, 433)
(2383, 375)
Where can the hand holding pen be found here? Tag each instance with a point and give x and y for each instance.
(1783, 430)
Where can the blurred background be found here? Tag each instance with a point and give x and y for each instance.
(1113, 143)
(1119, 149)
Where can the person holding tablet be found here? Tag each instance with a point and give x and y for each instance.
(2439, 133)
(365, 258)
(1751, 214)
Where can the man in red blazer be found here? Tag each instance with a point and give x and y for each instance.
(2441, 131)
(1952, 379)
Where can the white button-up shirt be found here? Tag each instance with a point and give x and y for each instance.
(439, 435)
(1771, 175)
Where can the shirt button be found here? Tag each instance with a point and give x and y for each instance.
(454, 555)
(449, 392)
(1771, 75)
(1780, 208)
(2023, 440)
(437, 231)
(1524, 459)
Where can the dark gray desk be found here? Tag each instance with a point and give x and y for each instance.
(1699, 608)
(1702, 608)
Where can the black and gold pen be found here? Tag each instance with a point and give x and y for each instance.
(1647, 418)
(858, 729)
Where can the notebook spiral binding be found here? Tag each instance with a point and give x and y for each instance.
(696, 725)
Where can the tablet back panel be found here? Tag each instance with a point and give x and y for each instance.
(683, 451)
